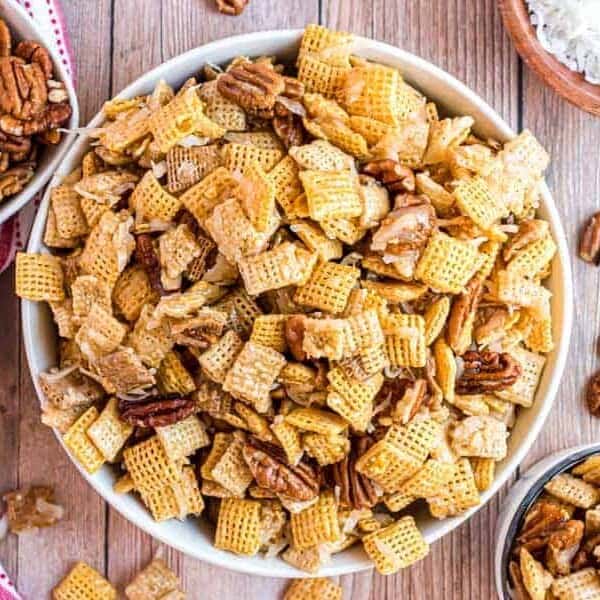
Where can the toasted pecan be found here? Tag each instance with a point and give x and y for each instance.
(487, 372)
(270, 468)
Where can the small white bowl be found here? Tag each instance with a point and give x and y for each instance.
(22, 27)
(520, 497)
(193, 537)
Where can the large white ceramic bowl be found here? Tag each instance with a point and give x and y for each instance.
(24, 28)
(193, 537)
(520, 497)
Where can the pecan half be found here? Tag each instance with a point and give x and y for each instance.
(294, 335)
(253, 86)
(356, 490)
(395, 177)
(12, 144)
(589, 248)
(53, 116)
(563, 545)
(12, 181)
(5, 39)
(289, 129)
(593, 395)
(146, 255)
(232, 7)
(271, 470)
(156, 413)
(463, 310)
(487, 372)
(541, 521)
(34, 53)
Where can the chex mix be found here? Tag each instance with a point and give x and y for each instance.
(297, 301)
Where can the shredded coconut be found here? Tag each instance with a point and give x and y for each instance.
(570, 29)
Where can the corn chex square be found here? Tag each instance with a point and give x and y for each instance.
(313, 589)
(316, 524)
(238, 526)
(328, 287)
(173, 378)
(84, 583)
(183, 438)
(379, 96)
(253, 373)
(287, 264)
(80, 444)
(447, 264)
(405, 340)
(315, 240)
(238, 157)
(523, 391)
(149, 466)
(387, 465)
(417, 438)
(396, 546)
(231, 470)
(429, 480)
(320, 77)
(581, 585)
(132, 290)
(220, 357)
(39, 277)
(269, 330)
(572, 490)
(152, 201)
(459, 494)
(352, 399)
(70, 220)
(475, 200)
(109, 432)
(331, 194)
(319, 421)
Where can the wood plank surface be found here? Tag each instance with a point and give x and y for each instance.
(117, 40)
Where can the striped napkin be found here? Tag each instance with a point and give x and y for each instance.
(7, 589)
(48, 15)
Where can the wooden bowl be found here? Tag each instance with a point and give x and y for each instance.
(570, 85)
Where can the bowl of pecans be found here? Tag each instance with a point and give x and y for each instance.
(548, 532)
(298, 313)
(37, 100)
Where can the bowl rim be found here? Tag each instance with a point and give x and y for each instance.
(521, 497)
(568, 84)
(453, 86)
(15, 203)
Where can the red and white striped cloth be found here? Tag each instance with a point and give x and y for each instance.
(14, 232)
(7, 588)
(49, 16)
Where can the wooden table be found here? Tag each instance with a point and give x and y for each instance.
(117, 40)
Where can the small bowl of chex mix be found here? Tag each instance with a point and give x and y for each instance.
(548, 532)
(299, 313)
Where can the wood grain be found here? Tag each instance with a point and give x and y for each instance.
(464, 37)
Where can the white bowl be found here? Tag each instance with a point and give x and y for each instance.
(193, 538)
(521, 496)
(23, 27)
